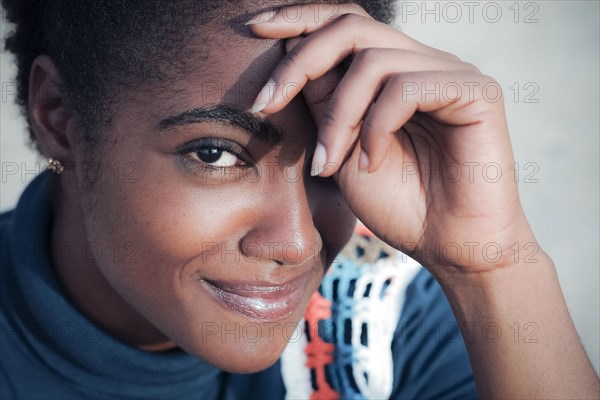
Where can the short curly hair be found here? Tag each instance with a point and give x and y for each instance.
(102, 47)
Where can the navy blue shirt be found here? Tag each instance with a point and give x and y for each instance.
(49, 350)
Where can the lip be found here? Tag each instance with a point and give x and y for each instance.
(260, 302)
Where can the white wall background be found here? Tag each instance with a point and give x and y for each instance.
(546, 56)
(549, 50)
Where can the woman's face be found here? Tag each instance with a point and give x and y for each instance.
(214, 230)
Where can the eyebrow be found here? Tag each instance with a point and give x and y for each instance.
(262, 129)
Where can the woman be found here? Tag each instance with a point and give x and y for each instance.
(192, 202)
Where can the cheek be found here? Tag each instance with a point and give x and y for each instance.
(165, 228)
(157, 222)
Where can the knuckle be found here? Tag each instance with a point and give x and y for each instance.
(449, 56)
(350, 19)
(489, 79)
(368, 59)
(356, 8)
(329, 118)
(371, 127)
(472, 67)
(398, 80)
(368, 56)
(488, 89)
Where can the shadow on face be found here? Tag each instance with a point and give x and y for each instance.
(231, 233)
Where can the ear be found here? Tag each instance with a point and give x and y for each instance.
(52, 124)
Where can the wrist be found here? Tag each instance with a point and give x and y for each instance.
(519, 295)
(504, 277)
(479, 255)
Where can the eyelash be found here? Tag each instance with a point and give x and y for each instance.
(187, 151)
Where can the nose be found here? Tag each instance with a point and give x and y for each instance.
(284, 231)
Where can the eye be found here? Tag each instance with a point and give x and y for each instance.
(213, 154)
(216, 156)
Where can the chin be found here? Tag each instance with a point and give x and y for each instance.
(237, 354)
(246, 365)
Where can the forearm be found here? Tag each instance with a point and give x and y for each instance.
(519, 335)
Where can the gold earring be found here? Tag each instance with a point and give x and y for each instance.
(55, 166)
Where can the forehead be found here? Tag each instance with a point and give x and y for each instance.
(224, 62)
(221, 65)
(226, 74)
(236, 67)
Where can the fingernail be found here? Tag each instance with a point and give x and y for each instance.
(265, 96)
(263, 17)
(363, 161)
(319, 160)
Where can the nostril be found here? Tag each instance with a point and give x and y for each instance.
(251, 251)
(283, 253)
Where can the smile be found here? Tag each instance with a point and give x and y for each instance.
(258, 302)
